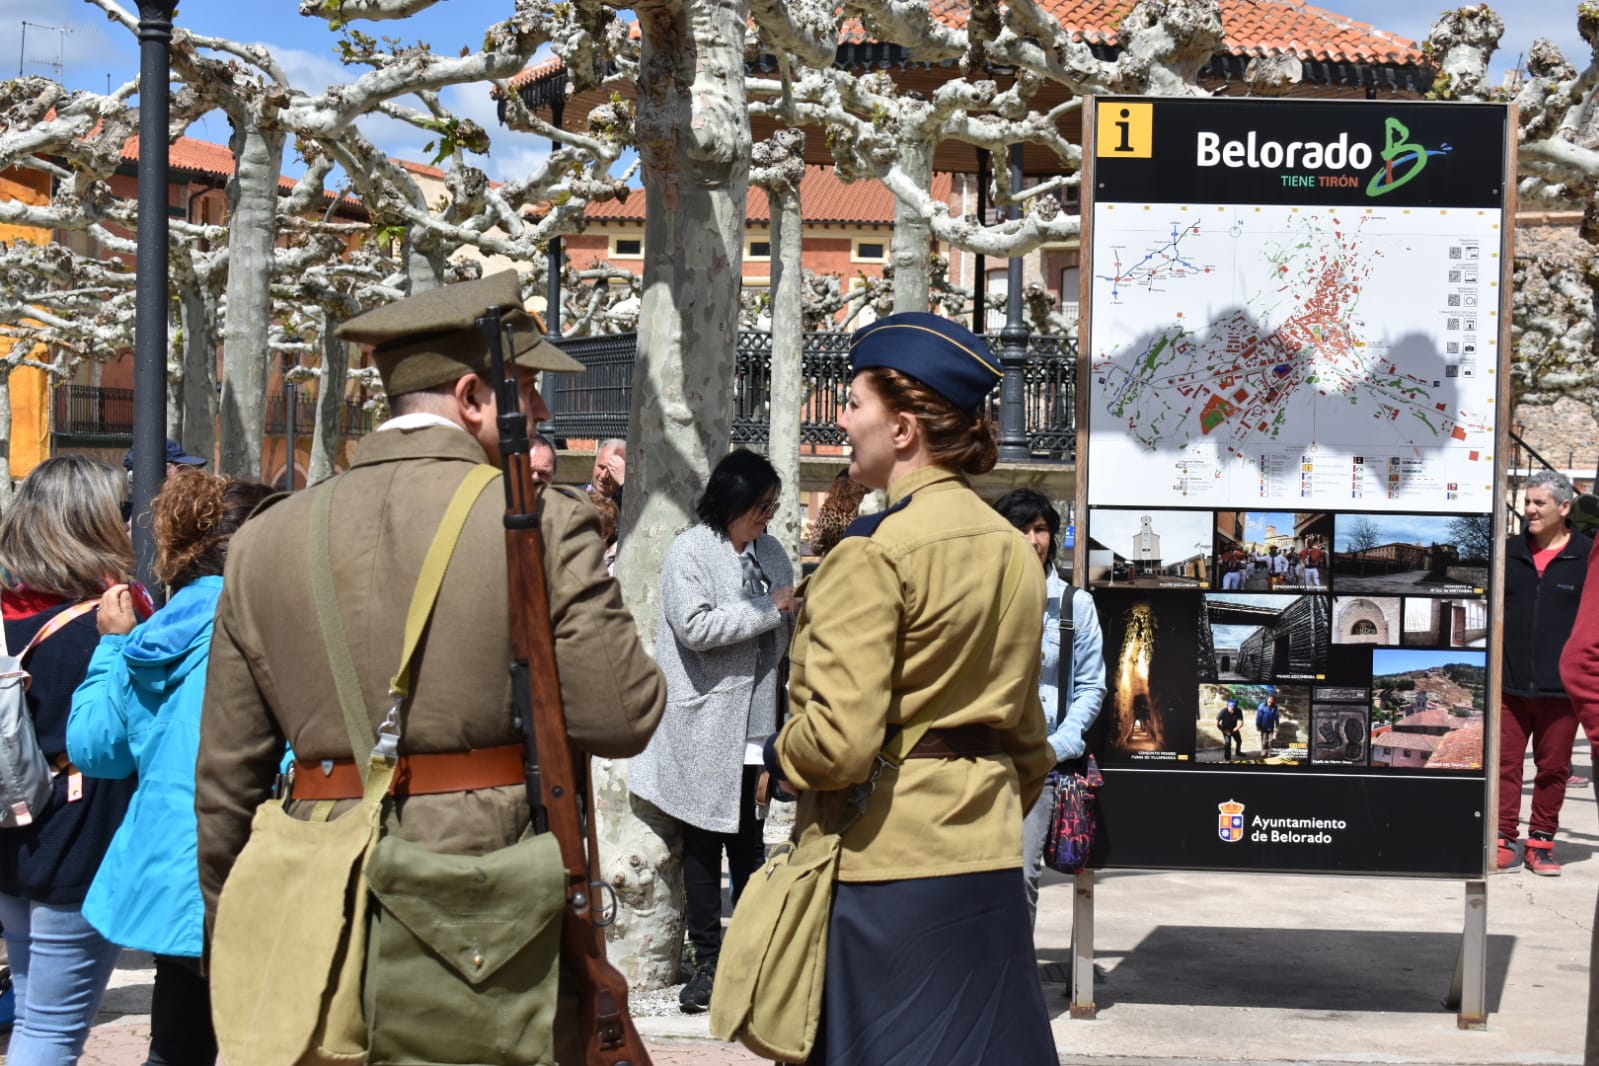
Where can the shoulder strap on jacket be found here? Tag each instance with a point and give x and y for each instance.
(57, 624)
(867, 524)
(1066, 660)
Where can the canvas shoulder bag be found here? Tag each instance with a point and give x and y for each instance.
(773, 966)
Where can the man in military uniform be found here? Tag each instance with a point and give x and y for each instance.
(270, 681)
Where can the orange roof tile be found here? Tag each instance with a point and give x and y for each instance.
(538, 71)
(826, 200)
(187, 153)
(1252, 28)
(1259, 28)
(203, 157)
(1408, 741)
(1459, 750)
(420, 168)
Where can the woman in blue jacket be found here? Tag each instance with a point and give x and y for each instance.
(138, 711)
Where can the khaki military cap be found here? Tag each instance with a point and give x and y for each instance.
(432, 338)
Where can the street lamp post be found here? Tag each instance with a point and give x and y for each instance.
(150, 317)
(1013, 343)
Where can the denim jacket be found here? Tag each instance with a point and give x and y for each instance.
(1085, 686)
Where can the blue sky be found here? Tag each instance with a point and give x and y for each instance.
(1399, 661)
(94, 50)
(1396, 528)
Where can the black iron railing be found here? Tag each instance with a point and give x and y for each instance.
(354, 419)
(594, 404)
(90, 411)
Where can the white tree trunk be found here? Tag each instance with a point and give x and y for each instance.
(198, 404)
(913, 235)
(252, 231)
(787, 401)
(5, 436)
(694, 140)
(329, 404)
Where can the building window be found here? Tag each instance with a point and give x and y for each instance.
(869, 252)
(1070, 290)
(759, 250)
(627, 248)
(1363, 627)
(997, 286)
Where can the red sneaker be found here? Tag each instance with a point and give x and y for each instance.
(1541, 858)
(1507, 853)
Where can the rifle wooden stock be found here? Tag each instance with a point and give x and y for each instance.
(555, 773)
(609, 1037)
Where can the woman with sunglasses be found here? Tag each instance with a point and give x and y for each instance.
(727, 603)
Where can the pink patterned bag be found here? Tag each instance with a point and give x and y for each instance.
(1070, 839)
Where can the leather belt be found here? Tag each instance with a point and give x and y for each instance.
(961, 742)
(424, 774)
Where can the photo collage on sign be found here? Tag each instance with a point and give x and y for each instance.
(1283, 639)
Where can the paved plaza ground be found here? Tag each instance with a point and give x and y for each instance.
(1246, 969)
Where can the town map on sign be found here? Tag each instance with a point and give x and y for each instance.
(1325, 357)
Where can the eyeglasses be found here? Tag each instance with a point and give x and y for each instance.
(767, 508)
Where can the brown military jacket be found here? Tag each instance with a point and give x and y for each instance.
(899, 624)
(270, 680)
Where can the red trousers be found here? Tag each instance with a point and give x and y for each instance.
(1551, 724)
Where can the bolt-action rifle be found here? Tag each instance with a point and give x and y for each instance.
(556, 775)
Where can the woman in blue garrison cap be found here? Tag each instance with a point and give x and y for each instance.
(924, 625)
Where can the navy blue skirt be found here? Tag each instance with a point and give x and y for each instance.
(933, 971)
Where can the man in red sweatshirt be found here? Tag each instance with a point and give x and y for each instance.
(1579, 673)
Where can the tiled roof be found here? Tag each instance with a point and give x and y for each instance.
(1252, 28)
(1434, 718)
(1411, 741)
(538, 71)
(826, 199)
(1460, 750)
(186, 153)
(420, 168)
(1258, 28)
(194, 156)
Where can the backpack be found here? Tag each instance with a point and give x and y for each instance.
(26, 776)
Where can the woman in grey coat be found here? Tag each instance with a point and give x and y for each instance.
(727, 609)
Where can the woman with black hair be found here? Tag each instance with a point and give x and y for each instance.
(727, 603)
(1071, 695)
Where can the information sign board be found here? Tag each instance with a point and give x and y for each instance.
(1296, 326)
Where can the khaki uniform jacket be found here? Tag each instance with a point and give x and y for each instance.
(895, 624)
(270, 680)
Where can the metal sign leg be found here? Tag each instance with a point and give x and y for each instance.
(1083, 946)
(1468, 991)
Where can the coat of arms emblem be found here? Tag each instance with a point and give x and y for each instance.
(1230, 823)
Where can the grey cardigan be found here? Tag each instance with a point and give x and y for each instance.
(706, 645)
